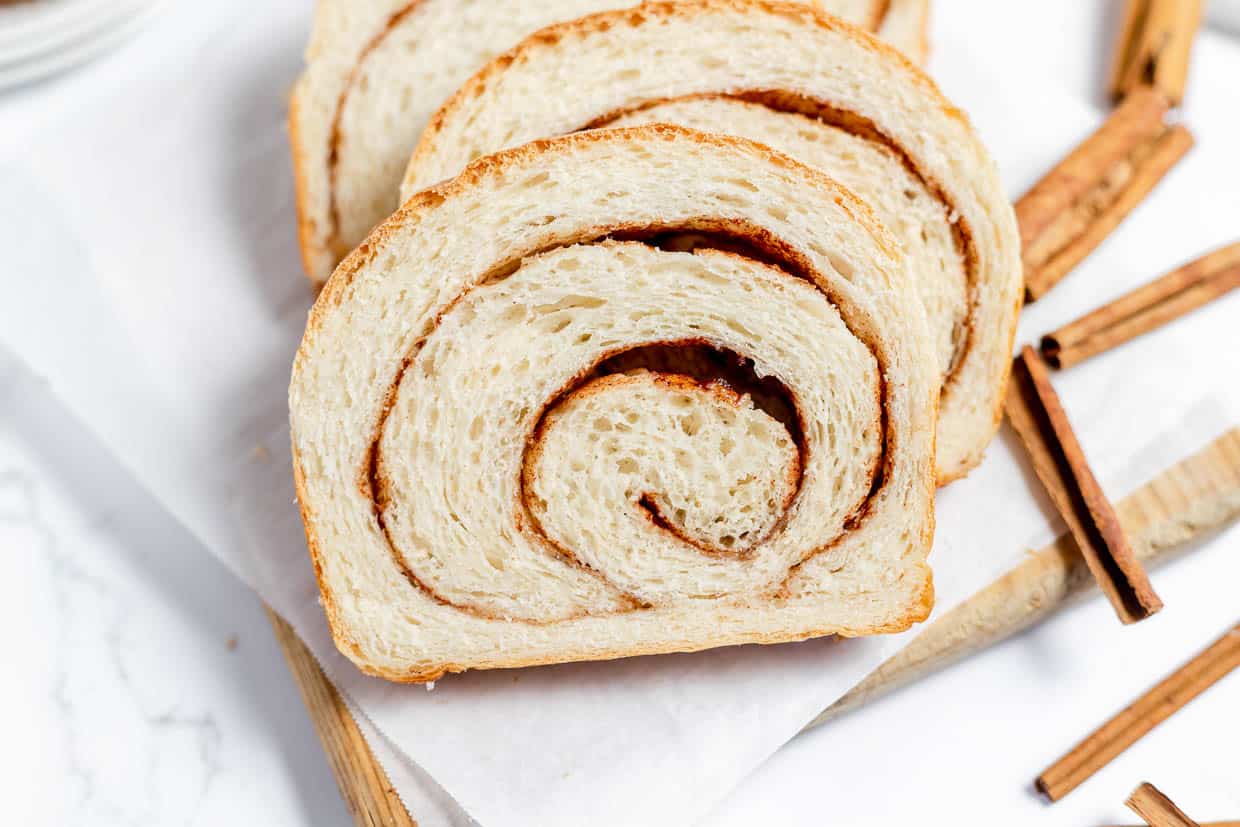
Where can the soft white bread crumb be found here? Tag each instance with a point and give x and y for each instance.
(451, 532)
(718, 470)
(873, 172)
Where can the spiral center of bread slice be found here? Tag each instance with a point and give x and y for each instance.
(656, 485)
(663, 453)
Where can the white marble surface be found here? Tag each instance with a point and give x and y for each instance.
(142, 685)
(126, 702)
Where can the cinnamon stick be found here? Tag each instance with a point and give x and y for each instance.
(1146, 308)
(1033, 408)
(1148, 802)
(1153, 47)
(1069, 212)
(1142, 715)
(1185, 502)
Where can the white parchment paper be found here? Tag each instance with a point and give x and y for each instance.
(151, 274)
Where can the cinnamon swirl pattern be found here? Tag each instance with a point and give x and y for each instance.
(378, 69)
(807, 84)
(530, 427)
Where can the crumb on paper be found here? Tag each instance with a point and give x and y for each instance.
(231, 643)
(262, 454)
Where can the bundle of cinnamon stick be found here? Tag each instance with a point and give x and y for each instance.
(1063, 218)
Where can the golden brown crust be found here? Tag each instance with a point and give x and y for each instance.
(305, 224)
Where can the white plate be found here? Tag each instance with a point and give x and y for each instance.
(48, 36)
(59, 25)
(28, 24)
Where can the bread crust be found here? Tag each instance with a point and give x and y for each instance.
(496, 166)
(307, 231)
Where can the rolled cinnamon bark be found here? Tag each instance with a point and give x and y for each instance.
(1075, 206)
(1148, 307)
(1142, 715)
(1152, 804)
(1038, 418)
(1153, 47)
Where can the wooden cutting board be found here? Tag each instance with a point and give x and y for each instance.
(1192, 498)
(364, 785)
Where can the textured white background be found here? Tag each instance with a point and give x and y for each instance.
(130, 707)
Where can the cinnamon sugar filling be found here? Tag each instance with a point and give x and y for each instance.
(691, 364)
(860, 127)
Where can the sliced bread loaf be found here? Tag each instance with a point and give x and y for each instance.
(807, 84)
(377, 69)
(488, 479)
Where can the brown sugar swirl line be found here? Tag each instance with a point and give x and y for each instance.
(778, 100)
(685, 364)
(690, 364)
(333, 140)
(878, 16)
(829, 96)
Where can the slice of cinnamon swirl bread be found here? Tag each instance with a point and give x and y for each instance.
(525, 431)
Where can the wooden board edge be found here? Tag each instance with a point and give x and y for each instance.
(363, 783)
